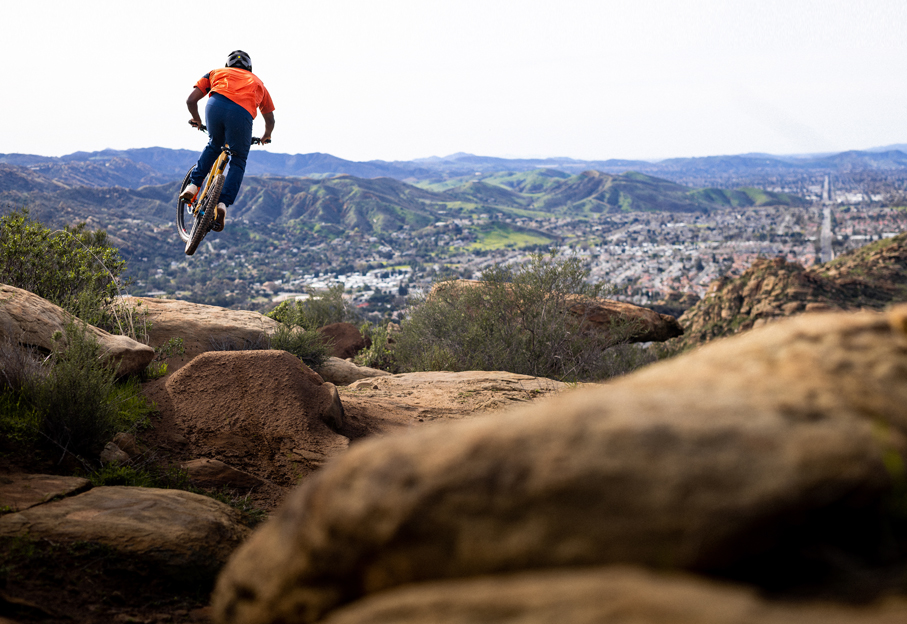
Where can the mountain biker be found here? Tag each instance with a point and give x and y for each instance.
(235, 96)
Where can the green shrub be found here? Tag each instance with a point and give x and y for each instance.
(72, 399)
(380, 353)
(308, 345)
(317, 311)
(517, 320)
(75, 268)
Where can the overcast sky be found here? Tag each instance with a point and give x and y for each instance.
(403, 79)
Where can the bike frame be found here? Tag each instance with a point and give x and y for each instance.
(217, 168)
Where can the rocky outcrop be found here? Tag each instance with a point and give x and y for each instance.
(31, 321)
(595, 596)
(870, 277)
(749, 449)
(259, 411)
(21, 491)
(343, 373)
(202, 328)
(180, 534)
(345, 338)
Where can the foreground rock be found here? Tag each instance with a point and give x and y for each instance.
(181, 534)
(596, 596)
(263, 412)
(21, 491)
(31, 321)
(202, 327)
(738, 450)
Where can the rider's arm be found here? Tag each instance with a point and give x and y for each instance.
(269, 126)
(192, 102)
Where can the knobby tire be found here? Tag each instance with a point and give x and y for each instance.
(206, 216)
(184, 211)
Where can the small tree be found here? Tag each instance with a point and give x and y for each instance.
(516, 319)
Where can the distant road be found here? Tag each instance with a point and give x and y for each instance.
(825, 253)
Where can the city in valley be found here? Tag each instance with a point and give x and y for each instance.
(644, 256)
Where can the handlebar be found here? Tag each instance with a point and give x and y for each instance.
(204, 128)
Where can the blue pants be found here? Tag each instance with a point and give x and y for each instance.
(228, 124)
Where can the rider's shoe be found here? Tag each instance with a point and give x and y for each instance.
(220, 217)
(189, 192)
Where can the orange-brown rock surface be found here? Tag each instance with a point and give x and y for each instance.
(202, 328)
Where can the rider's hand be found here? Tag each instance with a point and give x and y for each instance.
(195, 123)
(265, 139)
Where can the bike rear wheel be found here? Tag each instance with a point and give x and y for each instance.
(184, 218)
(206, 214)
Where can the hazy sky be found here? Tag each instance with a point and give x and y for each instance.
(402, 79)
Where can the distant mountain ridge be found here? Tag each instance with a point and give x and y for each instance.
(134, 168)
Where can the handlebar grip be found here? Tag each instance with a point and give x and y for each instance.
(256, 141)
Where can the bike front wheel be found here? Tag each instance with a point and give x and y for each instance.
(205, 218)
(184, 217)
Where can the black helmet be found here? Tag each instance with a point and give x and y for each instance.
(239, 59)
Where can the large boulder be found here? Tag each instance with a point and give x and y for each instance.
(262, 412)
(202, 328)
(345, 338)
(183, 535)
(594, 596)
(697, 463)
(32, 321)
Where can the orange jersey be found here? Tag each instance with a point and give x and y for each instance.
(241, 86)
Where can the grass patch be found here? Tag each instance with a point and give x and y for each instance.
(501, 236)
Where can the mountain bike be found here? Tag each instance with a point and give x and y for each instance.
(195, 218)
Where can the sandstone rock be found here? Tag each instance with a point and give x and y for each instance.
(21, 491)
(596, 596)
(695, 463)
(342, 373)
(253, 408)
(113, 454)
(30, 320)
(202, 327)
(212, 473)
(127, 443)
(346, 339)
(182, 534)
(626, 321)
(393, 403)
(333, 414)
